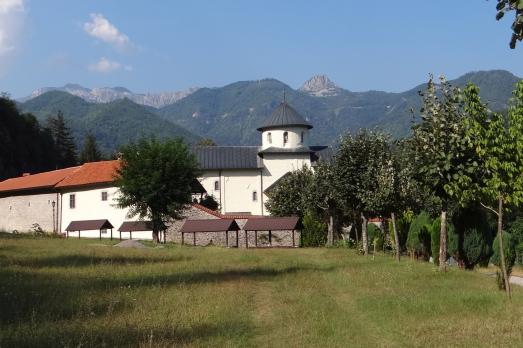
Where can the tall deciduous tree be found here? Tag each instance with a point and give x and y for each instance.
(498, 142)
(442, 155)
(515, 6)
(90, 151)
(155, 180)
(362, 175)
(64, 144)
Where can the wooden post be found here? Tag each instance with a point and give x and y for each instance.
(120, 235)
(67, 234)
(78, 234)
(237, 242)
(182, 237)
(270, 238)
(100, 234)
(256, 238)
(246, 240)
(194, 238)
(111, 234)
(227, 239)
(293, 244)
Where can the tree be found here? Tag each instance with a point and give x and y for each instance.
(364, 177)
(205, 142)
(504, 6)
(498, 143)
(90, 151)
(25, 147)
(442, 156)
(65, 147)
(155, 180)
(288, 197)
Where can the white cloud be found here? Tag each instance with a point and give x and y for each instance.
(100, 28)
(8, 6)
(105, 65)
(12, 15)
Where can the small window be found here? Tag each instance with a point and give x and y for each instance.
(216, 185)
(104, 195)
(285, 138)
(104, 231)
(302, 137)
(269, 137)
(254, 196)
(72, 201)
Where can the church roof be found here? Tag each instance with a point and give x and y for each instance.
(228, 157)
(284, 116)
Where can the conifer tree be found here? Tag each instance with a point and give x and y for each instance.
(90, 151)
(64, 144)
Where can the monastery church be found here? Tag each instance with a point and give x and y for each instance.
(238, 177)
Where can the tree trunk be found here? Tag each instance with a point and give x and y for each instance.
(396, 238)
(501, 249)
(443, 242)
(364, 235)
(330, 230)
(155, 236)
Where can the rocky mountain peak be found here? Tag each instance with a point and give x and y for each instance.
(320, 86)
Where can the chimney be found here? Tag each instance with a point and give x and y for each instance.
(26, 174)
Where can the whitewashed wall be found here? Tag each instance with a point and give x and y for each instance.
(294, 137)
(21, 212)
(89, 206)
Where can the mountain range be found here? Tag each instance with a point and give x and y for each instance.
(230, 114)
(109, 94)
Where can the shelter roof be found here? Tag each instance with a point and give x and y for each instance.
(131, 226)
(273, 224)
(214, 225)
(88, 225)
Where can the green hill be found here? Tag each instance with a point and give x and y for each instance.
(230, 114)
(112, 124)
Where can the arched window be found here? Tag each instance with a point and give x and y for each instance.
(302, 137)
(254, 196)
(285, 138)
(216, 185)
(269, 137)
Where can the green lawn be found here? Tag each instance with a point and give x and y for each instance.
(86, 293)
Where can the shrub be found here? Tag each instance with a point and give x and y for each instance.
(435, 230)
(402, 226)
(476, 248)
(418, 240)
(376, 238)
(210, 202)
(314, 231)
(516, 229)
(509, 248)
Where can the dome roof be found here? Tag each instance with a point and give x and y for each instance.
(284, 116)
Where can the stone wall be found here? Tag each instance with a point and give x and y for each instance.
(21, 212)
(278, 238)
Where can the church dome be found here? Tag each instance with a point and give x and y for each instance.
(284, 116)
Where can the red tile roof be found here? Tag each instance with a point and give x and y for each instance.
(36, 181)
(91, 173)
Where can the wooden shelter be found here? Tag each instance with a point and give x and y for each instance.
(285, 223)
(138, 226)
(89, 225)
(215, 225)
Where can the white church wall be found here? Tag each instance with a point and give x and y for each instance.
(293, 137)
(21, 212)
(277, 165)
(208, 180)
(238, 187)
(90, 206)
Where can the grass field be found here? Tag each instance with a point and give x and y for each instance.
(86, 293)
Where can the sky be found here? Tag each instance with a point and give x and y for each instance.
(154, 46)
